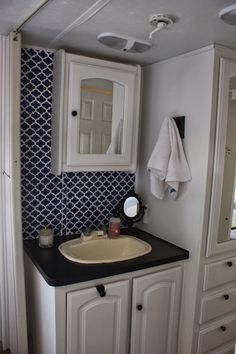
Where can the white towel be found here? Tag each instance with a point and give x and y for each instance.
(168, 165)
(116, 140)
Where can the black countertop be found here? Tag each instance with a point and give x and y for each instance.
(59, 271)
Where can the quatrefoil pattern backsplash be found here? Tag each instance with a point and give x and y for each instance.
(69, 202)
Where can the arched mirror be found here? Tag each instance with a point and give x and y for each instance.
(131, 208)
(101, 116)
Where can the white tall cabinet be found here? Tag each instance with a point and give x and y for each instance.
(196, 85)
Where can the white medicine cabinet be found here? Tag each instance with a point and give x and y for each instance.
(95, 114)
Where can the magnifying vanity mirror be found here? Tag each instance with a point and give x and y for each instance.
(131, 208)
(222, 228)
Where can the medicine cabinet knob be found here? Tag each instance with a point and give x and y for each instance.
(229, 264)
(74, 113)
(223, 328)
(139, 307)
(226, 297)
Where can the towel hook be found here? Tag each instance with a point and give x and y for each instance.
(180, 122)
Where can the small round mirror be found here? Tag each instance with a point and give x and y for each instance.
(131, 207)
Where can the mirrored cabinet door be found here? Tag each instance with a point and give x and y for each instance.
(222, 229)
(95, 114)
(100, 115)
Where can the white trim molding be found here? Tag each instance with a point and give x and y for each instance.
(12, 291)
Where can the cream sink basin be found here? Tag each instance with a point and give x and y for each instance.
(104, 250)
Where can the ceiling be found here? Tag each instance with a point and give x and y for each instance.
(197, 25)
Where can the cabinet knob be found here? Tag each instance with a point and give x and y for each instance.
(74, 113)
(223, 328)
(139, 307)
(226, 297)
(229, 264)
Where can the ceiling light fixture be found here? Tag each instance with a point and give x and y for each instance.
(228, 14)
(123, 43)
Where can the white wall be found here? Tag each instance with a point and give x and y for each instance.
(180, 86)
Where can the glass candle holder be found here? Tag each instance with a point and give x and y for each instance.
(46, 238)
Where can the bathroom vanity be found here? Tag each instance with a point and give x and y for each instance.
(118, 308)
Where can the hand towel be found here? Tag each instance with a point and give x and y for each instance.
(116, 140)
(168, 165)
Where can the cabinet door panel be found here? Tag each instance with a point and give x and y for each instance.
(154, 327)
(222, 214)
(98, 324)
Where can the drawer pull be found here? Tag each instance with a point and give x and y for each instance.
(223, 328)
(226, 297)
(139, 307)
(229, 264)
(74, 113)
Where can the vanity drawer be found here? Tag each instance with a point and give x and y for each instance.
(217, 335)
(219, 273)
(218, 304)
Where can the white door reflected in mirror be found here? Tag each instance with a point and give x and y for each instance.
(101, 117)
(131, 207)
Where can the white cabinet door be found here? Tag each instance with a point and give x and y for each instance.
(155, 312)
(98, 325)
(223, 212)
(95, 114)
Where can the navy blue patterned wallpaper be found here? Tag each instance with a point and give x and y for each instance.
(73, 200)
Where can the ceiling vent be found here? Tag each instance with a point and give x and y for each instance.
(123, 43)
(228, 14)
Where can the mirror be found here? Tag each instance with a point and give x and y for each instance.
(227, 220)
(131, 209)
(101, 116)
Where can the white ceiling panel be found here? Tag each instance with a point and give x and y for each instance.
(11, 11)
(197, 24)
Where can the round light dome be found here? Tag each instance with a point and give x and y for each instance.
(228, 14)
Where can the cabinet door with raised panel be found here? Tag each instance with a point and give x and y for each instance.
(155, 312)
(98, 323)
